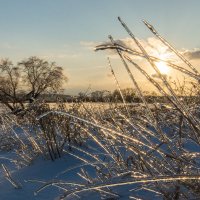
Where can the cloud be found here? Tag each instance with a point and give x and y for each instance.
(150, 43)
(89, 44)
(88, 68)
(192, 54)
(7, 46)
(60, 55)
(153, 46)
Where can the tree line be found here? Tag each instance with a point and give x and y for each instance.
(129, 95)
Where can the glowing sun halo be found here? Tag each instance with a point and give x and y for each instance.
(162, 67)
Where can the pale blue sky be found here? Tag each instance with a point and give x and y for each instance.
(65, 30)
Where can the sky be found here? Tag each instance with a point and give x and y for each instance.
(66, 31)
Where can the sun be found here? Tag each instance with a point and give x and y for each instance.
(163, 68)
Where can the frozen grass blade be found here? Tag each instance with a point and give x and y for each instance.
(118, 86)
(9, 177)
(144, 180)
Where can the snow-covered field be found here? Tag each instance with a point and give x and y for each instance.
(40, 170)
(99, 153)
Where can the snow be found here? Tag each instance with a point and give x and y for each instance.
(43, 170)
(89, 156)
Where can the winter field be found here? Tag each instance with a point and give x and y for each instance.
(107, 151)
(82, 152)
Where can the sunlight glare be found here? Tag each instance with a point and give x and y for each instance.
(163, 68)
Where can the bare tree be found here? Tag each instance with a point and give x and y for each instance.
(26, 81)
